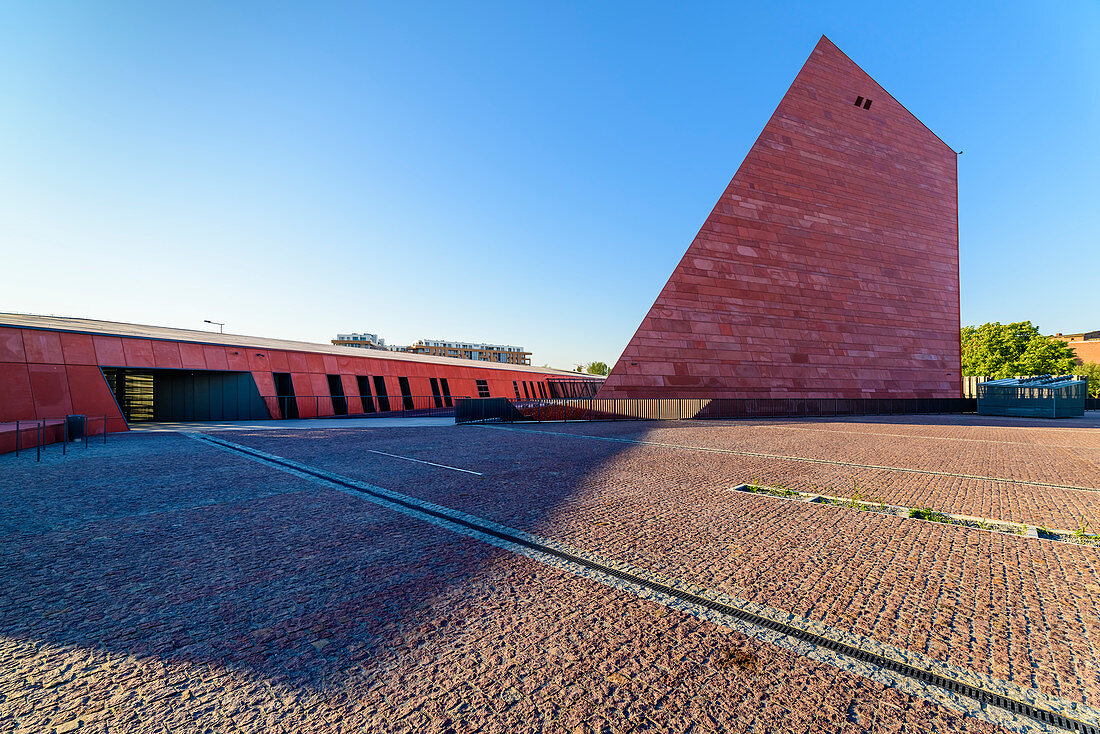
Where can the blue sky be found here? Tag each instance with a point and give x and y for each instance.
(520, 173)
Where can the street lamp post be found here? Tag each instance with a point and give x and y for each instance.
(219, 324)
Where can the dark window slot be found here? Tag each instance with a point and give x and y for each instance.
(406, 393)
(867, 104)
(336, 392)
(859, 101)
(515, 386)
(383, 396)
(446, 392)
(436, 397)
(482, 389)
(364, 393)
(284, 391)
(526, 392)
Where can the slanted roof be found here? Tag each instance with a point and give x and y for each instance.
(142, 331)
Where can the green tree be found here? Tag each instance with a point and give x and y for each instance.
(1090, 370)
(1005, 350)
(597, 368)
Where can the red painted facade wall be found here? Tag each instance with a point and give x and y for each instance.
(829, 267)
(50, 374)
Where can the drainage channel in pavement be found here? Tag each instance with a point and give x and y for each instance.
(998, 702)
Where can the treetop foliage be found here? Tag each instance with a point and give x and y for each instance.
(594, 368)
(997, 350)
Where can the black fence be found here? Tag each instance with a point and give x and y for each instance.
(37, 433)
(505, 410)
(358, 406)
(1092, 403)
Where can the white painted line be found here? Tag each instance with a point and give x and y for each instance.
(431, 463)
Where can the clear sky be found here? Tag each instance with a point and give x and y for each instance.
(526, 173)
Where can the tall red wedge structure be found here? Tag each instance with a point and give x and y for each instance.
(829, 267)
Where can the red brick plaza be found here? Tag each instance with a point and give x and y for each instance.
(161, 583)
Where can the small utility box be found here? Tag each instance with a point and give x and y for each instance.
(77, 424)
(1045, 396)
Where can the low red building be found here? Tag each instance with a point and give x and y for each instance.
(829, 268)
(1085, 345)
(115, 373)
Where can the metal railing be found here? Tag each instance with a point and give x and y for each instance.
(47, 431)
(361, 406)
(507, 410)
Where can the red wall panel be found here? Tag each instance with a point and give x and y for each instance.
(279, 361)
(16, 398)
(192, 356)
(296, 362)
(319, 389)
(139, 353)
(43, 347)
(78, 348)
(315, 363)
(303, 394)
(237, 359)
(50, 387)
(166, 355)
(108, 351)
(11, 345)
(215, 357)
(91, 397)
(351, 389)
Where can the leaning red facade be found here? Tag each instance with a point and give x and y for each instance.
(50, 368)
(829, 267)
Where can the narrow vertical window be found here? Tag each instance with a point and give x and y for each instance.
(406, 392)
(380, 391)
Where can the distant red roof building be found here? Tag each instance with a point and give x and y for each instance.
(1086, 345)
(829, 267)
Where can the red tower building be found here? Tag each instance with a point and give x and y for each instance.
(829, 267)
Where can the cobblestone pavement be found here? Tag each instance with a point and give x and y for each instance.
(160, 584)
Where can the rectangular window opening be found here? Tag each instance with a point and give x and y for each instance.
(526, 392)
(284, 394)
(482, 389)
(515, 386)
(364, 393)
(380, 391)
(436, 397)
(446, 392)
(867, 104)
(336, 392)
(406, 392)
(859, 101)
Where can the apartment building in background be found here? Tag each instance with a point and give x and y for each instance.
(500, 353)
(362, 340)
